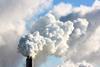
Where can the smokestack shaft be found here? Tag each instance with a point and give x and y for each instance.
(29, 62)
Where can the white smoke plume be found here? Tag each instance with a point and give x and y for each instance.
(52, 31)
(51, 36)
(47, 33)
(75, 38)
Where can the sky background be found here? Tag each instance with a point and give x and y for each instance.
(75, 2)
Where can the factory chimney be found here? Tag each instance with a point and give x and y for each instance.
(29, 61)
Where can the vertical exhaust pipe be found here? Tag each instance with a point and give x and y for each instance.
(29, 61)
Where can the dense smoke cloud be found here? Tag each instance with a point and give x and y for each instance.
(47, 33)
(51, 37)
(76, 38)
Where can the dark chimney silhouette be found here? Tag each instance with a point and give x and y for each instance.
(29, 61)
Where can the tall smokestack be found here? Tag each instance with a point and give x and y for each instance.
(29, 61)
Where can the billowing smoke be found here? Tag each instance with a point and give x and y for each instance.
(71, 35)
(47, 33)
(51, 36)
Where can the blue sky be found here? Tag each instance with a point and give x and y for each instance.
(52, 61)
(75, 2)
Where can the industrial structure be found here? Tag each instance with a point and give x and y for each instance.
(29, 61)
